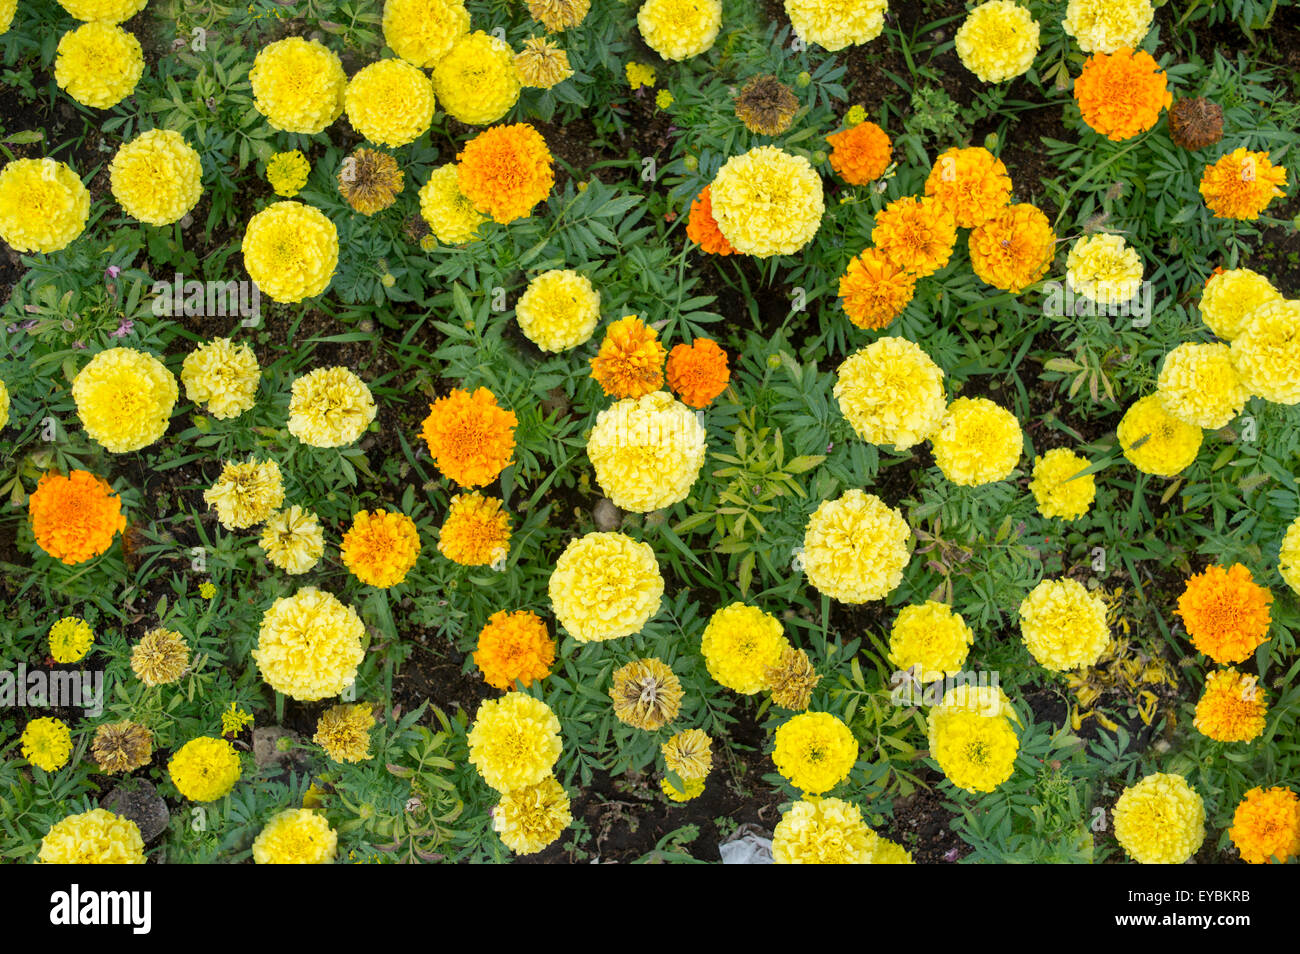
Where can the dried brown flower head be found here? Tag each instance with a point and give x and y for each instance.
(541, 64)
(1195, 123)
(792, 680)
(122, 746)
(646, 693)
(766, 105)
(558, 15)
(370, 180)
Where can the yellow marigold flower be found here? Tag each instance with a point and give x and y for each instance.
(1064, 625)
(740, 645)
(679, 29)
(293, 540)
(505, 171)
(630, 361)
(1266, 352)
(1104, 26)
(514, 741)
(639, 74)
(558, 310)
(291, 251)
(1104, 269)
(309, 645)
(160, 658)
(447, 210)
(204, 769)
(296, 836)
(997, 41)
(1289, 557)
(156, 177)
(931, 637)
(767, 202)
(1199, 385)
(972, 183)
(558, 15)
(330, 407)
(423, 31)
(370, 180)
(298, 85)
(234, 719)
(916, 233)
(886, 852)
(124, 398)
(223, 376)
(976, 752)
(1121, 94)
(1160, 820)
(98, 64)
(891, 392)
(694, 789)
(246, 494)
(861, 153)
(688, 753)
(476, 532)
(476, 81)
(984, 700)
(287, 172)
(822, 831)
(47, 743)
(1241, 185)
(74, 518)
(122, 746)
(43, 205)
(792, 680)
(343, 731)
(70, 639)
(1013, 247)
(1231, 297)
(647, 452)
(541, 64)
(1266, 826)
(1232, 708)
(96, 837)
(855, 548)
(4, 405)
(977, 442)
(1156, 442)
(380, 547)
(470, 437)
(835, 24)
(1059, 485)
(528, 819)
(647, 694)
(1226, 613)
(605, 586)
(814, 751)
(514, 647)
(109, 11)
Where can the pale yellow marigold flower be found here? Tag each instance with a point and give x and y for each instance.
(298, 85)
(309, 645)
(1289, 557)
(1266, 352)
(1104, 269)
(330, 407)
(1104, 26)
(476, 81)
(124, 398)
(1199, 385)
(855, 548)
(835, 24)
(96, 837)
(296, 836)
(528, 819)
(110, 11)
(1230, 297)
(541, 64)
(647, 694)
(343, 731)
(558, 310)
(891, 392)
(98, 64)
(291, 251)
(767, 202)
(997, 41)
(1064, 625)
(977, 442)
(1058, 488)
(446, 210)
(246, 494)
(559, 15)
(514, 741)
(931, 637)
(389, 102)
(647, 451)
(160, 658)
(156, 177)
(689, 753)
(740, 645)
(43, 205)
(679, 29)
(423, 31)
(1167, 446)
(1160, 820)
(605, 586)
(223, 376)
(823, 831)
(293, 540)
(814, 752)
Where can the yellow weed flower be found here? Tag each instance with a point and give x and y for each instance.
(1059, 490)
(997, 41)
(647, 694)
(124, 398)
(976, 752)
(1231, 297)
(343, 731)
(1226, 613)
(207, 589)
(476, 82)
(448, 211)
(223, 376)
(43, 205)
(287, 172)
(558, 310)
(1160, 820)
(767, 202)
(630, 362)
(1064, 625)
(514, 741)
(156, 177)
(514, 647)
(293, 540)
(1232, 708)
(47, 743)
(977, 442)
(972, 183)
(309, 645)
(98, 64)
(891, 392)
(822, 831)
(470, 437)
(1199, 385)
(528, 819)
(234, 719)
(291, 251)
(814, 751)
(70, 639)
(835, 24)
(855, 548)
(296, 836)
(298, 85)
(688, 753)
(639, 74)
(541, 64)
(96, 837)
(605, 586)
(1241, 185)
(558, 15)
(679, 29)
(1266, 352)
(1104, 26)
(740, 645)
(647, 452)
(204, 769)
(476, 531)
(160, 658)
(246, 494)
(380, 547)
(122, 746)
(423, 31)
(1266, 826)
(916, 233)
(330, 407)
(109, 11)
(1104, 269)
(1155, 441)
(931, 637)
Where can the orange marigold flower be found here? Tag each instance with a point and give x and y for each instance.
(1232, 708)
(1266, 826)
(1241, 185)
(702, 228)
(698, 372)
(860, 153)
(1013, 248)
(1226, 613)
(972, 183)
(916, 233)
(74, 518)
(514, 646)
(874, 291)
(476, 532)
(380, 547)
(470, 438)
(1121, 94)
(630, 362)
(505, 171)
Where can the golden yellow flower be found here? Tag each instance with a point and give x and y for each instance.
(476, 531)
(296, 836)
(1266, 826)
(1232, 709)
(855, 548)
(972, 183)
(124, 398)
(891, 392)
(916, 233)
(476, 81)
(223, 376)
(1155, 441)
(505, 171)
(740, 645)
(1160, 820)
(343, 731)
(291, 251)
(528, 819)
(767, 202)
(514, 741)
(380, 547)
(43, 205)
(1013, 248)
(98, 64)
(558, 310)
(246, 494)
(287, 172)
(46, 743)
(448, 211)
(1064, 625)
(161, 657)
(423, 31)
(977, 442)
(814, 751)
(930, 637)
(309, 645)
(470, 437)
(1059, 487)
(330, 407)
(605, 586)
(647, 694)
(204, 769)
(1226, 613)
(976, 752)
(630, 361)
(514, 647)
(298, 85)
(1241, 185)
(293, 540)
